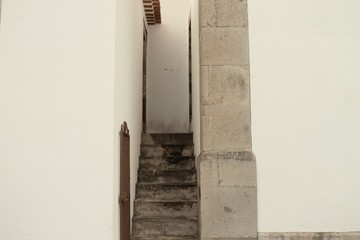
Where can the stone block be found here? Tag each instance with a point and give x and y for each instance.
(228, 84)
(207, 13)
(238, 171)
(311, 236)
(164, 226)
(228, 212)
(224, 46)
(228, 238)
(349, 235)
(165, 192)
(231, 13)
(231, 109)
(205, 81)
(207, 133)
(270, 236)
(232, 132)
(165, 209)
(209, 172)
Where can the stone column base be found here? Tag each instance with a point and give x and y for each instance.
(228, 195)
(309, 236)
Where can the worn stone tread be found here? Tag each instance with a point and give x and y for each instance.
(167, 176)
(166, 150)
(194, 237)
(166, 163)
(165, 205)
(159, 226)
(169, 184)
(166, 138)
(171, 209)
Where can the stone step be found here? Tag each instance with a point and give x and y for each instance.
(167, 176)
(166, 163)
(195, 237)
(148, 227)
(167, 150)
(166, 191)
(167, 138)
(161, 208)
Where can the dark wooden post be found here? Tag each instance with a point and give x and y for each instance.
(124, 198)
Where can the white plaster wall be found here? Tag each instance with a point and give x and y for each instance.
(168, 64)
(305, 58)
(195, 122)
(128, 89)
(66, 84)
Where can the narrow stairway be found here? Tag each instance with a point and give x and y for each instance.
(166, 193)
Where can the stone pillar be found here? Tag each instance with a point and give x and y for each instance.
(227, 169)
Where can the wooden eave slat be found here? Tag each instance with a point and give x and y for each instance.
(152, 11)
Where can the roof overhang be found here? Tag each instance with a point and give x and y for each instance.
(152, 11)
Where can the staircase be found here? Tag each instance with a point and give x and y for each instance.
(166, 192)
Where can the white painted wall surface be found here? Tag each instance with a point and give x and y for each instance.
(195, 71)
(66, 86)
(128, 89)
(305, 58)
(168, 64)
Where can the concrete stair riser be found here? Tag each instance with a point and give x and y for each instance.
(167, 139)
(165, 206)
(148, 209)
(162, 226)
(167, 151)
(166, 238)
(170, 176)
(161, 163)
(166, 192)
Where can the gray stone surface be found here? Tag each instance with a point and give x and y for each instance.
(151, 151)
(207, 133)
(167, 163)
(228, 211)
(229, 238)
(165, 208)
(165, 238)
(224, 46)
(208, 13)
(166, 191)
(166, 205)
(228, 194)
(166, 139)
(349, 235)
(167, 176)
(226, 166)
(309, 236)
(228, 84)
(231, 13)
(146, 227)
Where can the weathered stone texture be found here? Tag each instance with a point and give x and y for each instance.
(237, 173)
(227, 169)
(207, 13)
(228, 103)
(231, 132)
(224, 13)
(205, 81)
(231, 13)
(227, 84)
(309, 236)
(349, 235)
(228, 211)
(229, 238)
(228, 201)
(207, 136)
(224, 46)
